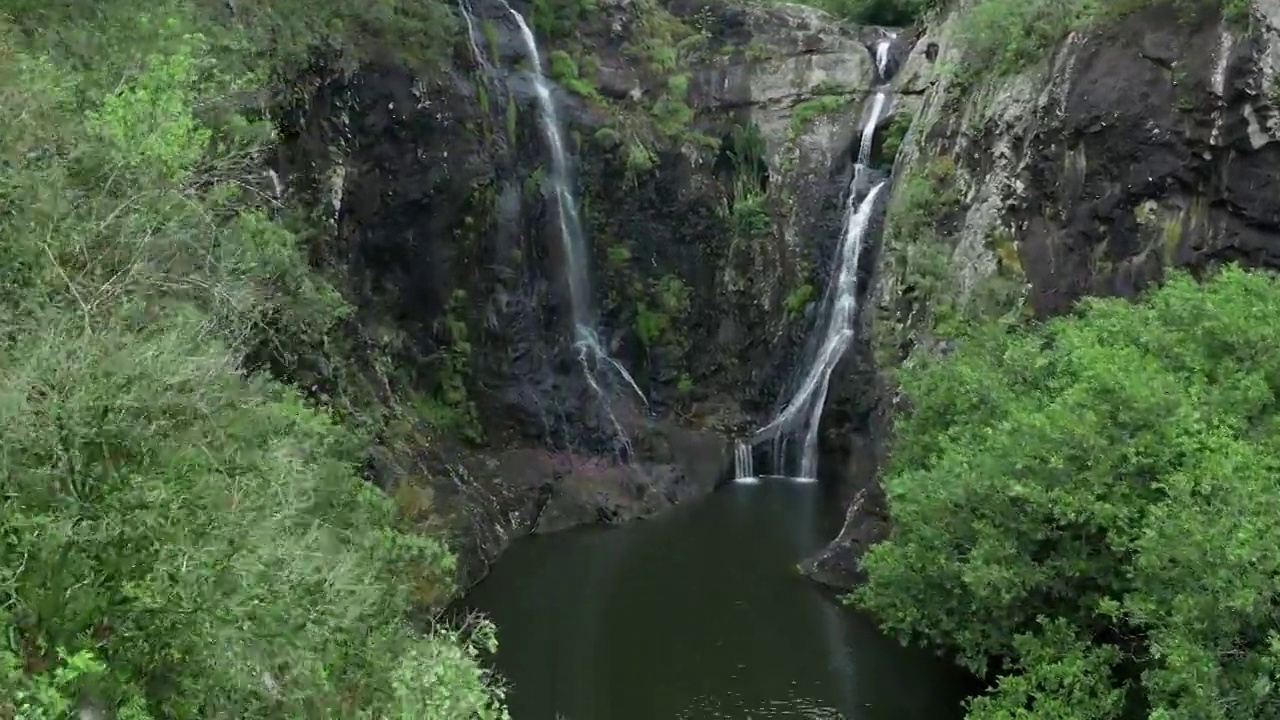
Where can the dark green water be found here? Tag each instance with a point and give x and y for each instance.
(699, 615)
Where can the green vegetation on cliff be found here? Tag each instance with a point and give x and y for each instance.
(890, 13)
(180, 536)
(1001, 37)
(1087, 510)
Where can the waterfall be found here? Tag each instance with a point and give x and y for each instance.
(883, 46)
(838, 335)
(596, 362)
(801, 415)
(743, 470)
(465, 9)
(574, 245)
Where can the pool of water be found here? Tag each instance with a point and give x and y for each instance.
(699, 615)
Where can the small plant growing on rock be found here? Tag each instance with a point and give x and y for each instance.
(639, 159)
(895, 133)
(807, 111)
(795, 302)
(564, 70)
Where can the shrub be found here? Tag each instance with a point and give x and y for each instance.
(1088, 509)
(180, 538)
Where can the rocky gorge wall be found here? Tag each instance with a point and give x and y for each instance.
(1134, 147)
(712, 147)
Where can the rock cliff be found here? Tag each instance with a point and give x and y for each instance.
(711, 145)
(1134, 147)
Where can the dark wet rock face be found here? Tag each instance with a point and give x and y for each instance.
(1152, 166)
(1145, 146)
(441, 227)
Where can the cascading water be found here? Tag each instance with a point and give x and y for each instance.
(595, 361)
(465, 9)
(743, 463)
(803, 411)
(812, 391)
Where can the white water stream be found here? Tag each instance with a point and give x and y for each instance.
(800, 417)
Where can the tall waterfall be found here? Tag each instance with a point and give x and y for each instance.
(800, 417)
(743, 463)
(465, 9)
(597, 365)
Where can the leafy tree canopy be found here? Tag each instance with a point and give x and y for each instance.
(1089, 509)
(178, 539)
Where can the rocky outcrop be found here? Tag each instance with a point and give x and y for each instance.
(711, 143)
(1145, 145)
(491, 497)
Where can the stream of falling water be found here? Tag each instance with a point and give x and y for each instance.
(712, 632)
(801, 415)
(596, 362)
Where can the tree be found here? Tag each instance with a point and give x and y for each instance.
(1088, 509)
(180, 538)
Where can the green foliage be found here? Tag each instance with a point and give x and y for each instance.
(607, 137)
(638, 159)
(749, 217)
(685, 385)
(671, 114)
(807, 111)
(286, 34)
(916, 249)
(557, 19)
(1058, 675)
(659, 38)
(265, 39)
(1093, 503)
(51, 695)
(180, 536)
(453, 410)
(747, 208)
(650, 325)
(895, 132)
(618, 256)
(924, 200)
(659, 44)
(678, 86)
(1002, 37)
(891, 13)
(564, 70)
(657, 321)
(797, 300)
